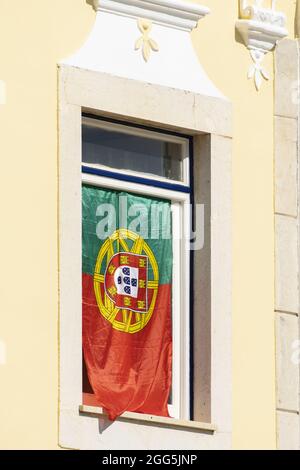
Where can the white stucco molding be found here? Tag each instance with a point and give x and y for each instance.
(260, 29)
(147, 41)
(175, 13)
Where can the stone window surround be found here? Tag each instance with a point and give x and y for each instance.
(209, 120)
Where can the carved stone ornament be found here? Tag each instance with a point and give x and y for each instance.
(260, 29)
(145, 42)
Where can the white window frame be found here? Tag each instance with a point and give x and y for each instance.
(180, 407)
(127, 129)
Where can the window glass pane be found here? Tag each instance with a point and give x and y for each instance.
(125, 151)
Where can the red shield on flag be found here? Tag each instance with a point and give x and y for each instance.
(126, 281)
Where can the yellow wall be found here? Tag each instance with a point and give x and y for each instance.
(227, 62)
(34, 35)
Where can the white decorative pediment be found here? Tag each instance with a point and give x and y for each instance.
(147, 41)
(260, 29)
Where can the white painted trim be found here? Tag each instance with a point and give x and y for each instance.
(175, 409)
(174, 13)
(262, 14)
(185, 341)
(136, 188)
(183, 142)
(260, 35)
(180, 306)
(102, 124)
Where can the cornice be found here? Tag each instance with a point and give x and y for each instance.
(260, 29)
(174, 13)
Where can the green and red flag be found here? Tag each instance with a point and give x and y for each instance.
(126, 301)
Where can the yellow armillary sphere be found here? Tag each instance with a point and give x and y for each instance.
(126, 281)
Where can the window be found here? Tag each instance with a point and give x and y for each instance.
(207, 120)
(131, 169)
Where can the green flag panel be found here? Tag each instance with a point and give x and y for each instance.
(104, 211)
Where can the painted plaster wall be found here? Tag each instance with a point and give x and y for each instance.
(254, 420)
(33, 37)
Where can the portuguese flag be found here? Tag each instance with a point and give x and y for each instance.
(126, 301)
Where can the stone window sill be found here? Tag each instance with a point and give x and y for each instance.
(155, 420)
